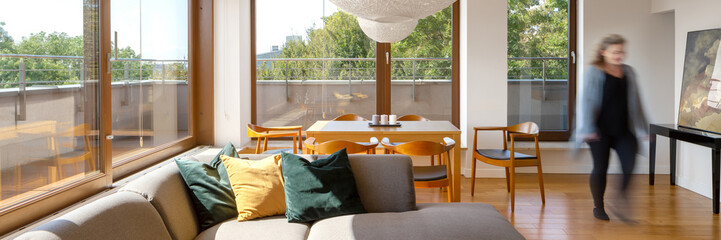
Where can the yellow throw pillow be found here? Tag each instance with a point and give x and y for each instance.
(258, 186)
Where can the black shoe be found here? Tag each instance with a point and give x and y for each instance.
(600, 214)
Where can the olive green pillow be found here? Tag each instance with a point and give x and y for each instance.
(210, 189)
(320, 189)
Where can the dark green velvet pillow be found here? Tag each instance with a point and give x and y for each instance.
(210, 189)
(320, 189)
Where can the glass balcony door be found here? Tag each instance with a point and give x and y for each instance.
(149, 75)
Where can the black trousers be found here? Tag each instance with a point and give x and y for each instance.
(626, 148)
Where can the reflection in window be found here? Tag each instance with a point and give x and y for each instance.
(49, 98)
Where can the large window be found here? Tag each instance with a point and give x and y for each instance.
(541, 63)
(74, 113)
(49, 94)
(315, 63)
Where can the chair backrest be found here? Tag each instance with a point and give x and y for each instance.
(412, 117)
(526, 127)
(330, 147)
(255, 130)
(80, 130)
(420, 148)
(349, 117)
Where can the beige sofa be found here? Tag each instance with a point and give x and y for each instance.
(158, 206)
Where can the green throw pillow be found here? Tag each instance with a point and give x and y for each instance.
(320, 189)
(210, 189)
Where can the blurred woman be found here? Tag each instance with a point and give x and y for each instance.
(611, 116)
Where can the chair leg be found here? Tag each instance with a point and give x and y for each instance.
(513, 188)
(257, 146)
(540, 183)
(473, 176)
(265, 144)
(295, 149)
(508, 183)
(433, 162)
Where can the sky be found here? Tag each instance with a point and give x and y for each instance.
(275, 19)
(161, 38)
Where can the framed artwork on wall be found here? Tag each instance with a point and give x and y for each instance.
(700, 106)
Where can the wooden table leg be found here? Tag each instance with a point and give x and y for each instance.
(652, 158)
(715, 175)
(456, 183)
(672, 142)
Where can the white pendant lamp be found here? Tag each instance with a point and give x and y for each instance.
(390, 20)
(387, 32)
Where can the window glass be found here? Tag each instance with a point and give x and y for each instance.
(421, 81)
(313, 62)
(538, 79)
(49, 96)
(149, 74)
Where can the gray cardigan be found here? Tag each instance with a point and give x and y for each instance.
(592, 96)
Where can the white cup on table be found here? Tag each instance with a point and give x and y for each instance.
(376, 119)
(392, 119)
(384, 119)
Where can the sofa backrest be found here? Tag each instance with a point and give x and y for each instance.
(385, 182)
(165, 189)
(121, 215)
(158, 205)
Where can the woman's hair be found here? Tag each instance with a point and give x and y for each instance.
(605, 42)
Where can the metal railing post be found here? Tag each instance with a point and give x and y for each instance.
(413, 90)
(544, 79)
(163, 76)
(287, 91)
(350, 77)
(22, 93)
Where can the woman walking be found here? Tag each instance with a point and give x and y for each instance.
(611, 116)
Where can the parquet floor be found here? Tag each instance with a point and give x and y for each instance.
(659, 212)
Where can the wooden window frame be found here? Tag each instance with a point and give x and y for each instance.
(383, 70)
(200, 44)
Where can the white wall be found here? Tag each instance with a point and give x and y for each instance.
(694, 162)
(232, 71)
(483, 76)
(650, 52)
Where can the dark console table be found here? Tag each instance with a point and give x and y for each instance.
(674, 132)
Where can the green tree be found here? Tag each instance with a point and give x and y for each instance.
(537, 29)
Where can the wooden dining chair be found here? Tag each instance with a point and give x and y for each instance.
(411, 117)
(509, 159)
(437, 176)
(349, 117)
(62, 156)
(263, 133)
(332, 146)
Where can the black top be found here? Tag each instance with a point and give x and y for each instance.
(613, 118)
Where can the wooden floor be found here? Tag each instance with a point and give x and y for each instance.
(659, 212)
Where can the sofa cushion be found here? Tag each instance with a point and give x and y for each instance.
(122, 215)
(276, 228)
(430, 221)
(385, 182)
(319, 189)
(258, 186)
(213, 199)
(166, 190)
